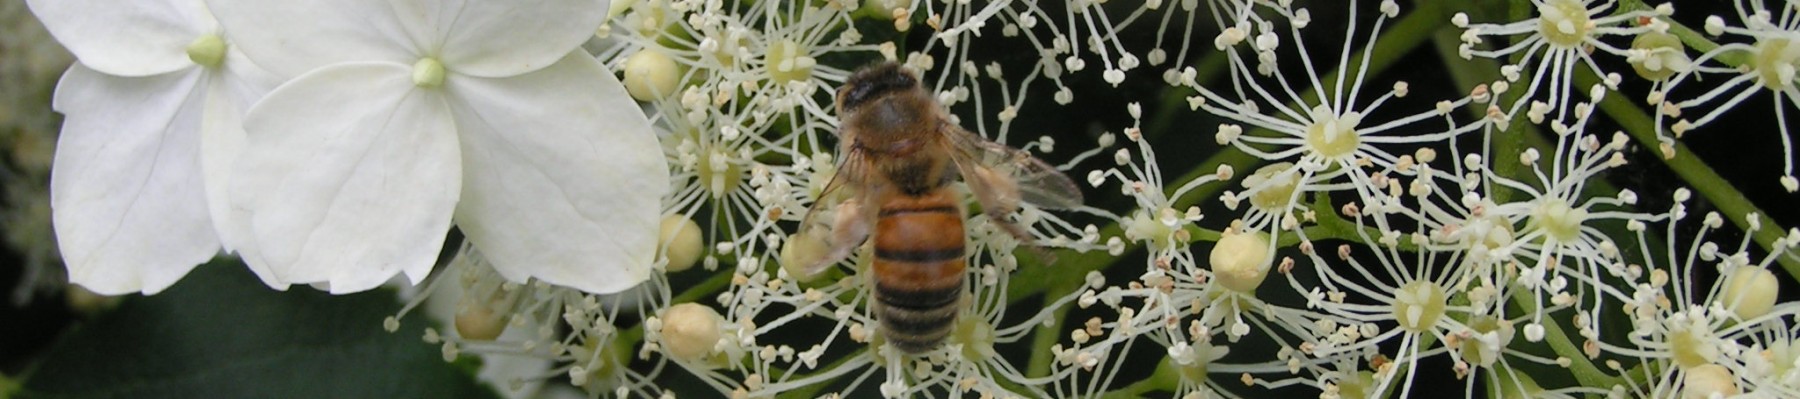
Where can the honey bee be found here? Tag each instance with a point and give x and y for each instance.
(899, 153)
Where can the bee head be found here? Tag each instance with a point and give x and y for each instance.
(873, 82)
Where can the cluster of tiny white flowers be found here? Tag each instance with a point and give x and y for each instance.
(1365, 234)
(740, 102)
(1440, 258)
(1565, 35)
(1697, 338)
(1315, 146)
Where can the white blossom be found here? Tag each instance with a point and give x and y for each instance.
(154, 120)
(402, 118)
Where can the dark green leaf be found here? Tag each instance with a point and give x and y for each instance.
(221, 333)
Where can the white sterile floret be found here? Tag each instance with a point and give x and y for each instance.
(353, 170)
(152, 127)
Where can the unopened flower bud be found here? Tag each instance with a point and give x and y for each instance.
(650, 75)
(479, 322)
(1704, 381)
(1749, 291)
(1241, 261)
(689, 331)
(680, 242)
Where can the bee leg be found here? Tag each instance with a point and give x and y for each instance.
(848, 231)
(1003, 221)
(999, 199)
(1002, 218)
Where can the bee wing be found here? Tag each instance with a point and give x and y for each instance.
(1003, 176)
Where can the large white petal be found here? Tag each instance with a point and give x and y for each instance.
(231, 90)
(125, 38)
(562, 176)
(127, 195)
(507, 38)
(291, 37)
(350, 176)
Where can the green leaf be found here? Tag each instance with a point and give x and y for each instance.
(221, 333)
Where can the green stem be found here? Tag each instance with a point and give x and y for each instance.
(1579, 366)
(1165, 378)
(1731, 202)
(707, 288)
(1330, 226)
(1513, 140)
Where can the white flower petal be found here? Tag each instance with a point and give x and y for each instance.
(350, 176)
(563, 176)
(491, 39)
(126, 38)
(231, 90)
(127, 195)
(290, 38)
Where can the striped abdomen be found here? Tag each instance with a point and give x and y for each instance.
(918, 268)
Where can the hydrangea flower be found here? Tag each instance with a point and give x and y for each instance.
(1406, 256)
(402, 118)
(154, 120)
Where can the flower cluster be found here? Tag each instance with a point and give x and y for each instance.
(1314, 216)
